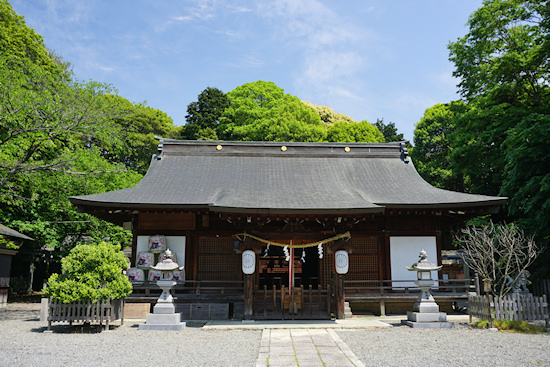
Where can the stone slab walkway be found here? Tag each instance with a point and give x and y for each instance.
(304, 347)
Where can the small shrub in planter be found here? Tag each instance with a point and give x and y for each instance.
(91, 273)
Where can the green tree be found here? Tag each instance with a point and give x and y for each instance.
(432, 148)
(203, 116)
(504, 69)
(43, 117)
(261, 111)
(91, 272)
(508, 43)
(527, 173)
(327, 114)
(138, 125)
(20, 43)
(388, 130)
(354, 132)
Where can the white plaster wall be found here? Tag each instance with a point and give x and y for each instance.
(404, 252)
(176, 244)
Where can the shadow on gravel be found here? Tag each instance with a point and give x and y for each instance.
(75, 329)
(193, 324)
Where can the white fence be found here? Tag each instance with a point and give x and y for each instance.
(510, 307)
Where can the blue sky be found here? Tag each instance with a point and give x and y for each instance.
(367, 59)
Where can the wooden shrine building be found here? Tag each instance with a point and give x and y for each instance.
(212, 201)
(6, 254)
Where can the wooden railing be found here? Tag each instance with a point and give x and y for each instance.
(194, 291)
(391, 287)
(383, 291)
(512, 307)
(85, 311)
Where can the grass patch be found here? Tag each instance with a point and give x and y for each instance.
(511, 326)
(518, 327)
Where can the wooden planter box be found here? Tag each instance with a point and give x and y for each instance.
(100, 312)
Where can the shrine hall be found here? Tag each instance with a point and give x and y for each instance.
(288, 230)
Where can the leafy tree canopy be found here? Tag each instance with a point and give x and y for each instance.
(203, 116)
(478, 140)
(508, 43)
(496, 140)
(20, 43)
(327, 114)
(432, 151)
(354, 132)
(138, 125)
(261, 111)
(388, 130)
(527, 173)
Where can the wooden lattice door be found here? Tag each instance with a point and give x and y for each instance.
(217, 260)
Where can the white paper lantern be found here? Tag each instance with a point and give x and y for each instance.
(249, 262)
(341, 261)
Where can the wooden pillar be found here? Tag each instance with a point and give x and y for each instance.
(339, 272)
(249, 283)
(339, 296)
(248, 296)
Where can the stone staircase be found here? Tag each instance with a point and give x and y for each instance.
(347, 311)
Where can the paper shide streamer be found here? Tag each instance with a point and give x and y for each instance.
(287, 254)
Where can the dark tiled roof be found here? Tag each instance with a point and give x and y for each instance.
(264, 177)
(7, 231)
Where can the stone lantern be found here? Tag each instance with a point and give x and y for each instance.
(164, 316)
(425, 312)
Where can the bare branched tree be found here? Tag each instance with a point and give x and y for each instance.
(500, 253)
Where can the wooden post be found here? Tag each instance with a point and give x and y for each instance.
(248, 296)
(489, 313)
(339, 295)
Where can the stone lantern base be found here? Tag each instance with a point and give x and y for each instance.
(425, 312)
(432, 320)
(164, 316)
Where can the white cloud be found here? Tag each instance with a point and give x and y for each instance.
(229, 33)
(332, 51)
(183, 18)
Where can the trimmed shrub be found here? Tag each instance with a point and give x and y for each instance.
(91, 272)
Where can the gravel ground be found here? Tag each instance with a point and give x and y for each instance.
(23, 343)
(461, 346)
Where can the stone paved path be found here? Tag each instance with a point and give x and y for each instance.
(304, 347)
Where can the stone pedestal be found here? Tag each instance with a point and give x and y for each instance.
(432, 320)
(425, 312)
(164, 316)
